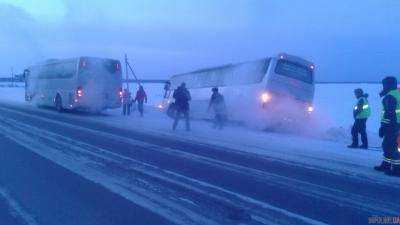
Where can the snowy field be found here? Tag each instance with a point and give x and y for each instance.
(326, 151)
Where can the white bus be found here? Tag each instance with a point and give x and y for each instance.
(272, 89)
(83, 83)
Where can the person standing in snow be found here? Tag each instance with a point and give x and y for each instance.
(141, 98)
(217, 102)
(126, 102)
(361, 112)
(182, 98)
(390, 127)
(167, 89)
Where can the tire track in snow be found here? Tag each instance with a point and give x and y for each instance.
(307, 163)
(33, 131)
(17, 209)
(302, 187)
(162, 207)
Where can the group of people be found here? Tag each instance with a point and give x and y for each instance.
(181, 107)
(390, 124)
(389, 129)
(127, 101)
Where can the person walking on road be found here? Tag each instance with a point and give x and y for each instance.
(390, 127)
(167, 89)
(141, 98)
(126, 102)
(182, 98)
(361, 112)
(217, 103)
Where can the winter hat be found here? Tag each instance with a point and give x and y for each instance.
(358, 91)
(389, 83)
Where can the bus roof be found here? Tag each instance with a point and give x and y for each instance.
(54, 61)
(250, 72)
(217, 67)
(292, 58)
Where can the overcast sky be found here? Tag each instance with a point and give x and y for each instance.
(347, 40)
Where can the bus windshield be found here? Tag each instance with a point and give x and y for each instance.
(294, 70)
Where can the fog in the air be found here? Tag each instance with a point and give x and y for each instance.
(347, 40)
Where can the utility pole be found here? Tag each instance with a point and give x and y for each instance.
(12, 77)
(128, 65)
(126, 72)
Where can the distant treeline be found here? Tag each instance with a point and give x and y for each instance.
(10, 79)
(19, 78)
(347, 82)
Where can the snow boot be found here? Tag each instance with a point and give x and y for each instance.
(352, 146)
(385, 166)
(363, 147)
(393, 171)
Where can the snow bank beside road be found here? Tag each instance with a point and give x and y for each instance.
(334, 101)
(12, 94)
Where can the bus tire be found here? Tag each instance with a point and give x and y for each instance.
(58, 104)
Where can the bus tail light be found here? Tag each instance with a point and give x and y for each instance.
(117, 66)
(120, 92)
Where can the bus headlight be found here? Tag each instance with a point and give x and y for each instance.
(265, 97)
(310, 109)
(79, 92)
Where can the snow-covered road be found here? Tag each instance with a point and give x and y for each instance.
(168, 179)
(36, 191)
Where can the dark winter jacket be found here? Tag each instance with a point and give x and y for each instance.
(141, 96)
(389, 106)
(182, 98)
(217, 102)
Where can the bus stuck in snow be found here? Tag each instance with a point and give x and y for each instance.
(271, 90)
(83, 83)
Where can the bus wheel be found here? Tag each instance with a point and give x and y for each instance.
(58, 104)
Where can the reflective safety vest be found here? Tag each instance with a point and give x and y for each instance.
(365, 111)
(396, 95)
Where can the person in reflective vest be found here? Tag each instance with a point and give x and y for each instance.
(361, 112)
(390, 127)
